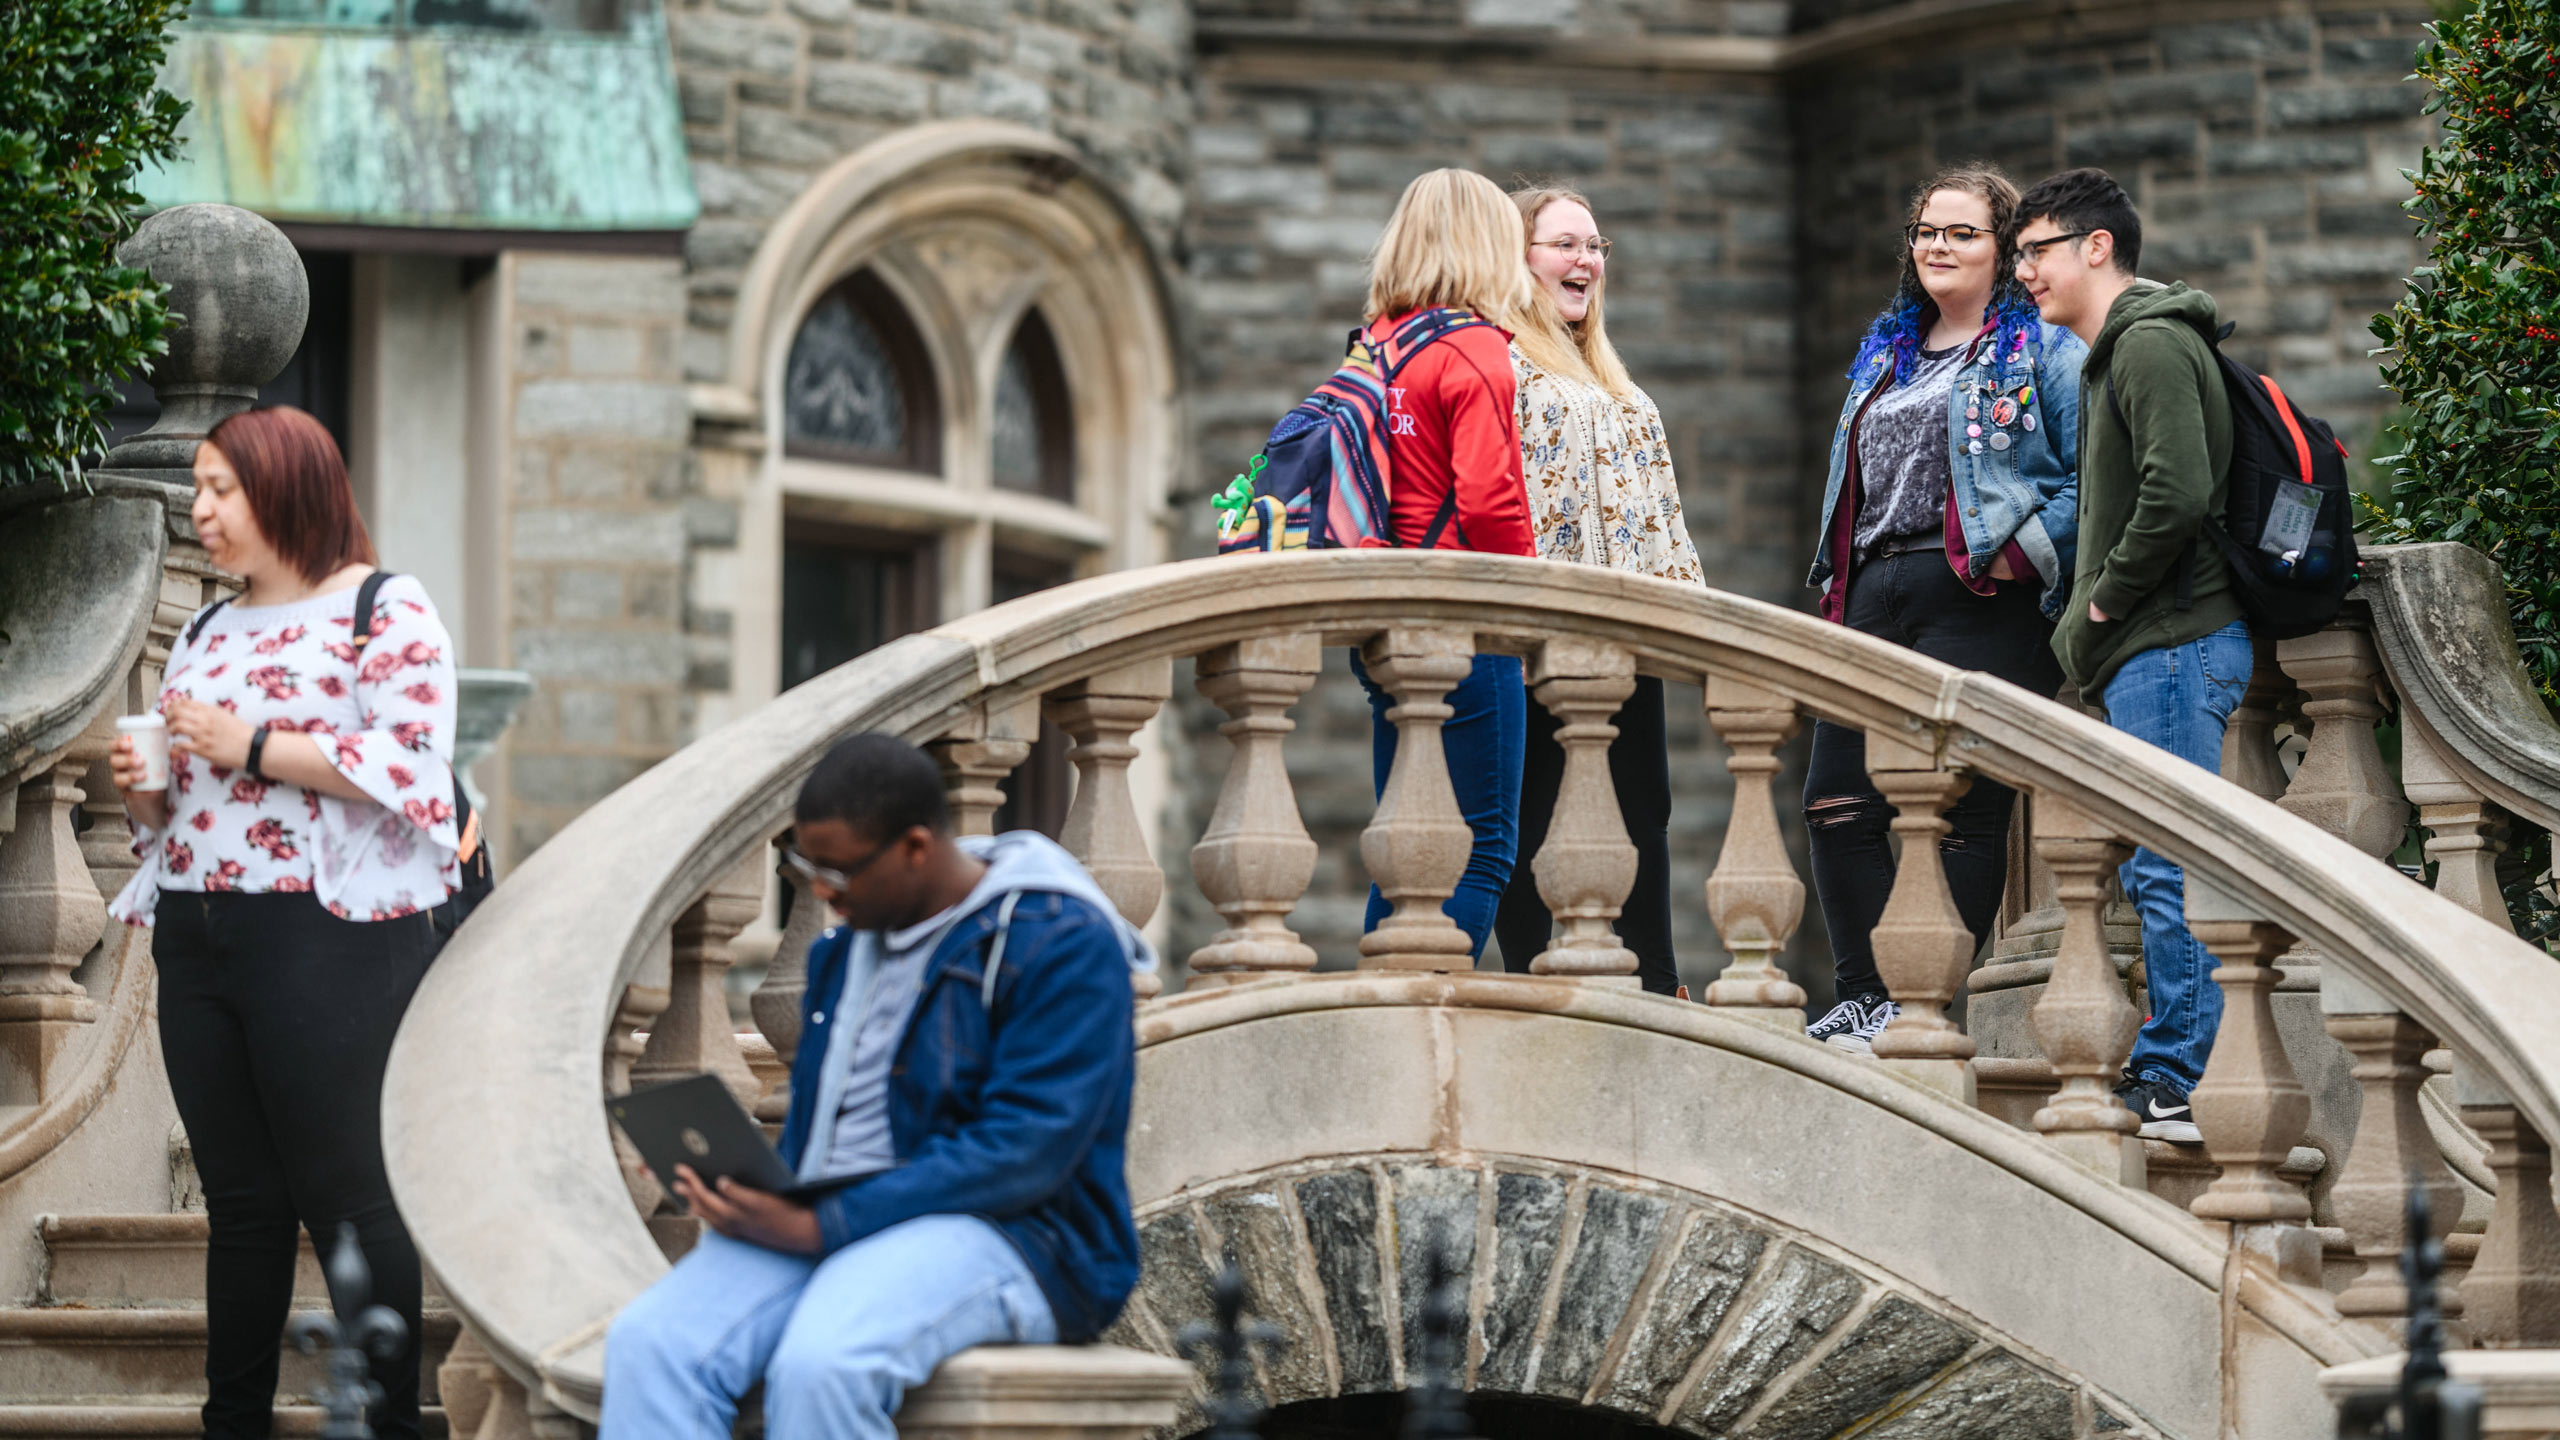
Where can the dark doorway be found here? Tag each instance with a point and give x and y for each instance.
(848, 590)
(1496, 1417)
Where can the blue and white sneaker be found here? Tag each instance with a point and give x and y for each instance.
(2163, 1110)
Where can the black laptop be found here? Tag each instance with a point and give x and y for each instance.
(696, 1121)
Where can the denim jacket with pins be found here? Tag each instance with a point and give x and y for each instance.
(2015, 483)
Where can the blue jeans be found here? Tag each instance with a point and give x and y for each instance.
(1483, 739)
(2179, 698)
(837, 1341)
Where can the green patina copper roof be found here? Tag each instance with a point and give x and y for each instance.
(344, 121)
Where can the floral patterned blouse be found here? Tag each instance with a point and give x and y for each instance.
(387, 725)
(1598, 469)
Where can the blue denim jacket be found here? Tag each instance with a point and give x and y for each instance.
(2028, 492)
(1018, 1115)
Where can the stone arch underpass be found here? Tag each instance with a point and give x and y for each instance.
(1672, 1222)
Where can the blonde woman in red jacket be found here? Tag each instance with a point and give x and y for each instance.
(1453, 452)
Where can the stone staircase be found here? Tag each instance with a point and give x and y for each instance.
(114, 1342)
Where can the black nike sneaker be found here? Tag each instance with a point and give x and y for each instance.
(2162, 1110)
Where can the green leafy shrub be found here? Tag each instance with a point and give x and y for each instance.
(2474, 347)
(81, 112)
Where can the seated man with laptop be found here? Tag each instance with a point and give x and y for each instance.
(959, 1110)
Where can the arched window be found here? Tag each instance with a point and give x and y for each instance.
(1035, 449)
(858, 387)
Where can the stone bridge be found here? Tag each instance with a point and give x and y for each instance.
(1676, 1216)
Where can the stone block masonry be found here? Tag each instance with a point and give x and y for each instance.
(596, 536)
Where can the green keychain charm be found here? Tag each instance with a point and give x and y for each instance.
(1233, 501)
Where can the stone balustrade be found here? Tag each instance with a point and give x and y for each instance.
(633, 902)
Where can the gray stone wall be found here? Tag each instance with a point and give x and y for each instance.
(1299, 158)
(597, 533)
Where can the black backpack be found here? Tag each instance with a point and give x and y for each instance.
(2287, 529)
(477, 877)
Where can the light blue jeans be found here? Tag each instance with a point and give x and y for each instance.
(837, 1341)
(2179, 698)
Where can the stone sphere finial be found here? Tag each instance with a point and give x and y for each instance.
(242, 298)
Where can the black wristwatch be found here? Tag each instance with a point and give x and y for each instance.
(257, 749)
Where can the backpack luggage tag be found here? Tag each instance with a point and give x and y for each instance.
(2290, 517)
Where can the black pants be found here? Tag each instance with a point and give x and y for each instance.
(276, 1019)
(1915, 600)
(1640, 768)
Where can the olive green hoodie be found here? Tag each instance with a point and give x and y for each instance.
(2146, 494)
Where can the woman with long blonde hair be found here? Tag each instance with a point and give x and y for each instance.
(1443, 282)
(1597, 470)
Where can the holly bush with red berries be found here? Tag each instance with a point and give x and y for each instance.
(2474, 347)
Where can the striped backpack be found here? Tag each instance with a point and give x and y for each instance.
(1321, 480)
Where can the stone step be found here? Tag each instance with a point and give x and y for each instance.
(150, 1261)
(76, 1355)
(174, 1415)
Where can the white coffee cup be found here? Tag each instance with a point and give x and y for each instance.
(150, 745)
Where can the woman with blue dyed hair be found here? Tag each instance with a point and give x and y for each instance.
(1947, 526)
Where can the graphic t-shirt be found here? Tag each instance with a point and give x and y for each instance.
(386, 723)
(1903, 467)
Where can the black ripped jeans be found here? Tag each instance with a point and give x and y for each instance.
(1916, 601)
(276, 1020)
(1640, 771)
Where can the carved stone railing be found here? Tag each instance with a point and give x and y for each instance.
(539, 1240)
(95, 584)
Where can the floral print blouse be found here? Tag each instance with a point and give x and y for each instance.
(387, 724)
(1598, 470)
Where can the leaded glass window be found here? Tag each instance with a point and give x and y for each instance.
(1034, 437)
(855, 388)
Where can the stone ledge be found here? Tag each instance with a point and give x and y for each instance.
(2520, 1388)
(1094, 1391)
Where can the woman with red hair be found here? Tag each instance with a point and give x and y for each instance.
(292, 869)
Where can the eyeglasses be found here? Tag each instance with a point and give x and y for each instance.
(816, 874)
(1597, 247)
(2031, 252)
(1956, 236)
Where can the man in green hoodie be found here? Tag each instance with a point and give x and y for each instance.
(2153, 628)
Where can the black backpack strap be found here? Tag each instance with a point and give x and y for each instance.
(363, 622)
(1448, 512)
(204, 615)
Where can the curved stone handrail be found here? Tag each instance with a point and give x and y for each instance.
(64, 570)
(536, 1239)
(2440, 620)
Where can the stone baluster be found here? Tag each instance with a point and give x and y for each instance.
(776, 1003)
(2249, 738)
(50, 915)
(2392, 1143)
(2511, 1297)
(106, 846)
(2249, 1104)
(2083, 1022)
(1417, 843)
(2343, 786)
(638, 1011)
(1100, 714)
(1922, 946)
(694, 1036)
(977, 755)
(1587, 864)
(2466, 832)
(1754, 895)
(1255, 859)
